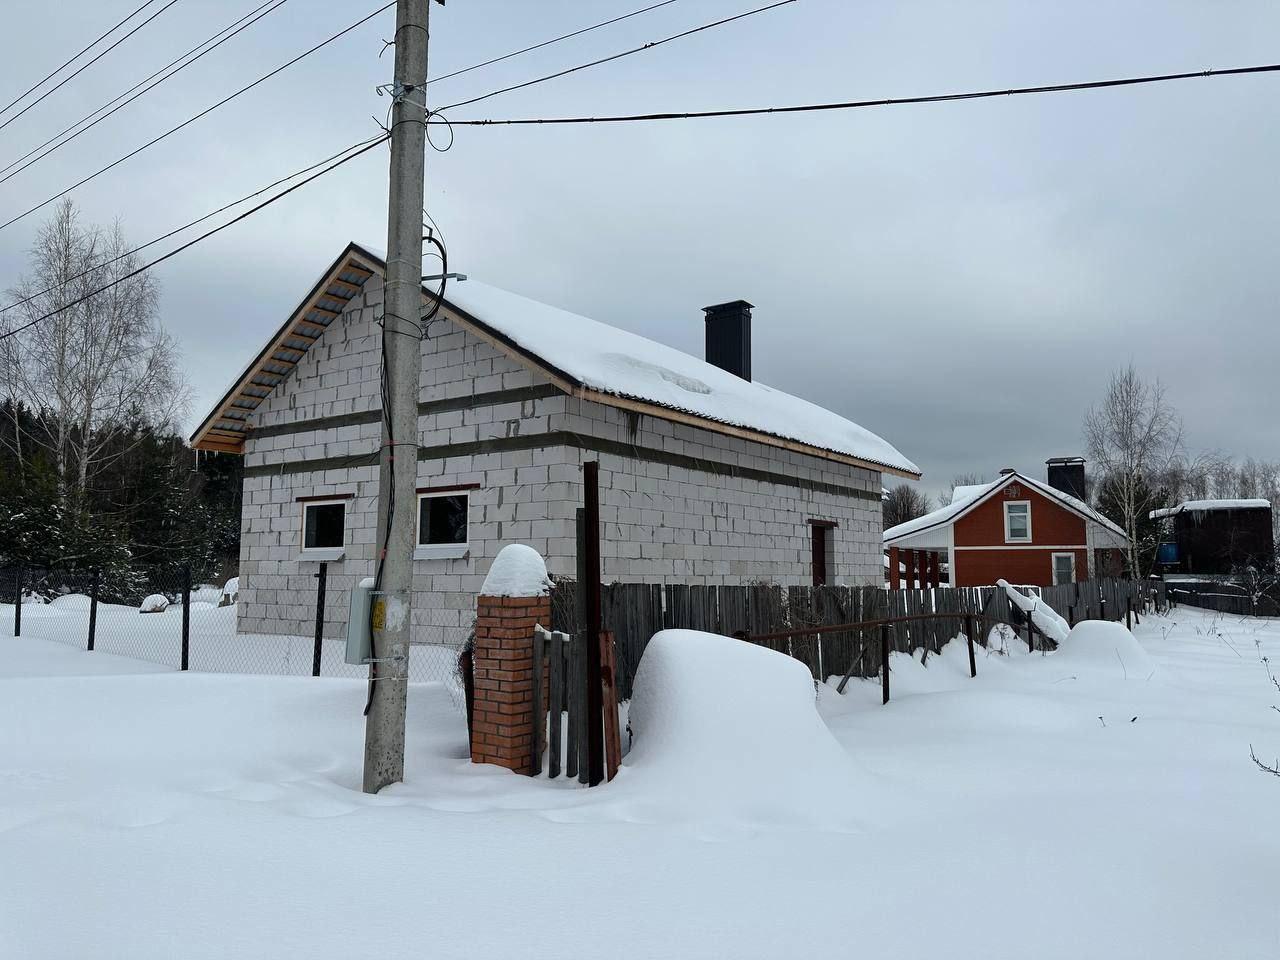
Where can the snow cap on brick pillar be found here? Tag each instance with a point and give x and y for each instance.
(514, 599)
(729, 337)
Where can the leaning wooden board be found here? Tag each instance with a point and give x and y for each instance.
(609, 703)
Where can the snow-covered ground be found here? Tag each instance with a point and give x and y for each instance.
(215, 646)
(1064, 805)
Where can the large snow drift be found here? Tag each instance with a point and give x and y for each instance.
(729, 731)
(1099, 645)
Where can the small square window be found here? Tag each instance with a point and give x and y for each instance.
(1017, 521)
(442, 519)
(323, 525)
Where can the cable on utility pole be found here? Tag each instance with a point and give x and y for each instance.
(62, 66)
(391, 612)
(83, 67)
(203, 113)
(623, 53)
(141, 87)
(859, 104)
(14, 331)
(546, 43)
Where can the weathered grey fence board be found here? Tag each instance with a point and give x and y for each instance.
(634, 612)
(555, 704)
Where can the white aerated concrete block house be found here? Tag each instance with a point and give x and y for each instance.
(707, 477)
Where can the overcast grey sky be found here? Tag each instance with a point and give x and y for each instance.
(960, 278)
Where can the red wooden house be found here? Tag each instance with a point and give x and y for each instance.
(1016, 528)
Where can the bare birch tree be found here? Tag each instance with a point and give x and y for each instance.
(903, 503)
(100, 367)
(1135, 437)
(959, 480)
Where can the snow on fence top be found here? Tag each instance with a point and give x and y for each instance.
(613, 361)
(1199, 505)
(517, 571)
(1046, 619)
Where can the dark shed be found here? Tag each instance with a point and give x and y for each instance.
(1222, 536)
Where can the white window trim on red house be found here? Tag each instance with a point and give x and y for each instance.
(1013, 503)
(1053, 566)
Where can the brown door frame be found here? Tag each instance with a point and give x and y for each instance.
(819, 533)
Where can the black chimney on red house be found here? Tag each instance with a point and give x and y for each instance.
(1067, 474)
(729, 337)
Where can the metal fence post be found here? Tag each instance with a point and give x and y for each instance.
(968, 632)
(321, 575)
(884, 662)
(1128, 614)
(93, 608)
(186, 616)
(17, 601)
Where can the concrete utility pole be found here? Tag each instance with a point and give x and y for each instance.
(401, 358)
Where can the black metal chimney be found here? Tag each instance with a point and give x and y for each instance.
(729, 337)
(1067, 474)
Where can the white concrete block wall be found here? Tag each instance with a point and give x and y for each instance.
(667, 522)
(662, 522)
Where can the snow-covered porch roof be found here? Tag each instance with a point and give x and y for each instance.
(584, 357)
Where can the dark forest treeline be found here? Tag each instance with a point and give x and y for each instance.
(149, 503)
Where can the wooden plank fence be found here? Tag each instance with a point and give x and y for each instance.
(633, 612)
(1224, 596)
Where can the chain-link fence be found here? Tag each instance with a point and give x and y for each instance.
(163, 616)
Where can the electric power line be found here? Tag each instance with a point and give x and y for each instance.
(619, 56)
(85, 66)
(191, 243)
(547, 43)
(81, 53)
(855, 104)
(203, 113)
(196, 222)
(253, 16)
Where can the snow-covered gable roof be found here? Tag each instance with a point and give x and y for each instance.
(967, 490)
(616, 362)
(967, 497)
(1205, 505)
(583, 356)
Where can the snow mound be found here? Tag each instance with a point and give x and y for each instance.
(1046, 619)
(517, 571)
(729, 732)
(1102, 646)
(232, 588)
(71, 601)
(156, 603)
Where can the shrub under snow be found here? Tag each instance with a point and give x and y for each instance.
(156, 603)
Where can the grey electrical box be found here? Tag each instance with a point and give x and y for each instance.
(359, 647)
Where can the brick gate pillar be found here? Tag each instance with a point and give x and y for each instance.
(503, 723)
